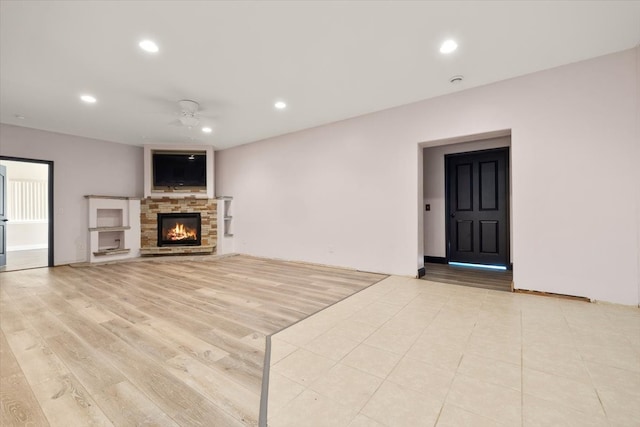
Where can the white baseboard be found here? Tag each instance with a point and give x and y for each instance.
(26, 247)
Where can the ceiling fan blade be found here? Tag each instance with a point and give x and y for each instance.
(189, 106)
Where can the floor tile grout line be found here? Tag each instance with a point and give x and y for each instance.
(582, 359)
(455, 373)
(362, 342)
(395, 365)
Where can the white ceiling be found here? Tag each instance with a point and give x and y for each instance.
(328, 60)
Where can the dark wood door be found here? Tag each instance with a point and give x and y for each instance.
(3, 216)
(478, 207)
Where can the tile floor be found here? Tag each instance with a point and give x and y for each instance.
(408, 352)
(22, 260)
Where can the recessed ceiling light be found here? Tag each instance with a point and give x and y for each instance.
(89, 99)
(448, 46)
(280, 105)
(148, 46)
(456, 79)
(207, 129)
(19, 117)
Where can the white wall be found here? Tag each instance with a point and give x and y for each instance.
(350, 193)
(434, 190)
(81, 166)
(27, 235)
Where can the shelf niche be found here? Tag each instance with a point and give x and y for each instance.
(225, 234)
(114, 228)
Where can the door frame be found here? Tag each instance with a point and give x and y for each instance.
(447, 188)
(50, 201)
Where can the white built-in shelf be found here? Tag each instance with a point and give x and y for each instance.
(114, 227)
(225, 243)
(94, 196)
(111, 252)
(109, 228)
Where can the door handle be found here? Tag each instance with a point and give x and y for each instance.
(453, 215)
(5, 220)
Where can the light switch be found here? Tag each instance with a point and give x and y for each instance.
(427, 207)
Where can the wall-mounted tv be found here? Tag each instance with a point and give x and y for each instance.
(179, 169)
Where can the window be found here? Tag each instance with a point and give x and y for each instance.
(27, 200)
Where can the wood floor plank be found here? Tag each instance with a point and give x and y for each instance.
(88, 364)
(66, 402)
(124, 310)
(12, 319)
(137, 339)
(38, 363)
(463, 276)
(126, 405)
(184, 341)
(170, 394)
(159, 342)
(218, 387)
(8, 361)
(18, 405)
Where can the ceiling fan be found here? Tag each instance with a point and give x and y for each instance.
(188, 115)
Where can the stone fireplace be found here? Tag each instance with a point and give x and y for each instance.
(178, 226)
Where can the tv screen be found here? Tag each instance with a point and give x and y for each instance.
(173, 170)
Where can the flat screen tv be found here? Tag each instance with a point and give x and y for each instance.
(176, 170)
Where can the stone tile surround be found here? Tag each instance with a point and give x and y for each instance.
(151, 207)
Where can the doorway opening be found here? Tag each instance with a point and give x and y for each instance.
(466, 211)
(26, 213)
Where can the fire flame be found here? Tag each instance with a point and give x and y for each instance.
(180, 232)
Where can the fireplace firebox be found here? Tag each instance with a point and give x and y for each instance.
(179, 229)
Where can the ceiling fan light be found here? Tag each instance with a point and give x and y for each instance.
(89, 99)
(448, 46)
(149, 46)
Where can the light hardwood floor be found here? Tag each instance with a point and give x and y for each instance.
(151, 343)
(465, 276)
